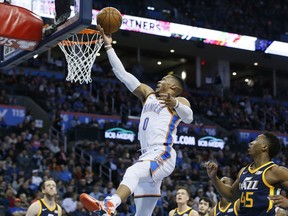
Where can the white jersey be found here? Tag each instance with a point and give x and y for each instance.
(158, 125)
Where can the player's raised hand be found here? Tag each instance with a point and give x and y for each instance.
(167, 100)
(279, 200)
(106, 37)
(212, 169)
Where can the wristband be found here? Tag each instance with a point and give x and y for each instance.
(106, 46)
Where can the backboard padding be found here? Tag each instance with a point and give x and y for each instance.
(73, 25)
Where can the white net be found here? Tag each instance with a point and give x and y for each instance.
(80, 52)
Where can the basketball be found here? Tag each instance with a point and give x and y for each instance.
(110, 19)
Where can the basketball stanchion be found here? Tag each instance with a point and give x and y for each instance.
(80, 52)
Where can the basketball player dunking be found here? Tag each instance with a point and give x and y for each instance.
(46, 206)
(162, 111)
(257, 184)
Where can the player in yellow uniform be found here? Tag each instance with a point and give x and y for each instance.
(223, 207)
(46, 206)
(182, 198)
(256, 184)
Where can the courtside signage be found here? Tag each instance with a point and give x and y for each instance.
(201, 142)
(185, 140)
(211, 142)
(120, 134)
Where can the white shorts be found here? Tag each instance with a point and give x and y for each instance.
(148, 189)
(149, 184)
(167, 155)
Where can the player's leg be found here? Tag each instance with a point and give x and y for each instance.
(145, 206)
(139, 170)
(130, 181)
(146, 196)
(144, 180)
(148, 191)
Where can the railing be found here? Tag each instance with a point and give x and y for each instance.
(55, 134)
(106, 172)
(125, 111)
(106, 99)
(79, 153)
(267, 117)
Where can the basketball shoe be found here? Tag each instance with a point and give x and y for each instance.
(104, 208)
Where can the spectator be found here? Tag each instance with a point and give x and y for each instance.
(83, 187)
(69, 203)
(101, 156)
(211, 195)
(96, 193)
(64, 174)
(37, 159)
(17, 210)
(36, 179)
(24, 188)
(80, 210)
(53, 146)
(61, 156)
(109, 190)
(200, 193)
(24, 161)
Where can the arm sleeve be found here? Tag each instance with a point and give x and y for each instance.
(128, 79)
(184, 112)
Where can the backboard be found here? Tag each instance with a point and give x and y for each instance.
(80, 18)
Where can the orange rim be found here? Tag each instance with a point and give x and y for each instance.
(89, 31)
(84, 31)
(70, 43)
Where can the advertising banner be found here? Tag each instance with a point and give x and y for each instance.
(12, 115)
(246, 136)
(120, 134)
(46, 8)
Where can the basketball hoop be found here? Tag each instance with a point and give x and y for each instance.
(80, 52)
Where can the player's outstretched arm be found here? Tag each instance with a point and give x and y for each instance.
(231, 194)
(132, 83)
